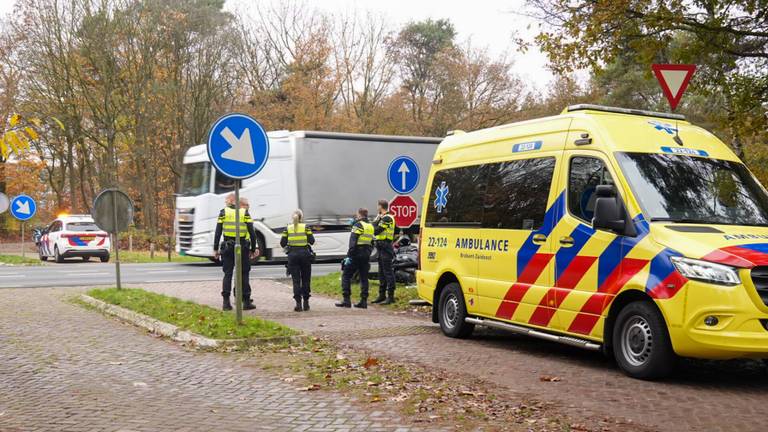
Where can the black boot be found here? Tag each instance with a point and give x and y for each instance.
(382, 296)
(390, 298)
(363, 304)
(306, 303)
(248, 305)
(227, 306)
(344, 303)
(297, 308)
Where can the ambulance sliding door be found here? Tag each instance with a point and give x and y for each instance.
(521, 208)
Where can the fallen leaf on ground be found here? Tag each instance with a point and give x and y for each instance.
(313, 387)
(371, 384)
(549, 378)
(115, 363)
(139, 384)
(370, 362)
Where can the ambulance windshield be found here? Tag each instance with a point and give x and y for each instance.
(692, 189)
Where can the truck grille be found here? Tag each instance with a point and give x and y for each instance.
(184, 235)
(760, 279)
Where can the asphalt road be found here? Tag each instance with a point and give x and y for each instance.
(95, 273)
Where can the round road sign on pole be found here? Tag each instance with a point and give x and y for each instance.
(403, 175)
(113, 211)
(4, 202)
(23, 207)
(238, 147)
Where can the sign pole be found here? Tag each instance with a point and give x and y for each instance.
(238, 259)
(22, 239)
(116, 241)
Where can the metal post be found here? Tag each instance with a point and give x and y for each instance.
(238, 259)
(116, 238)
(22, 239)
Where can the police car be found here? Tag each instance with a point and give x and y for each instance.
(70, 236)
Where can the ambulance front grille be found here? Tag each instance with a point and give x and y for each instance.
(760, 279)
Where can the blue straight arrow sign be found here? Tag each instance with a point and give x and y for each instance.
(403, 175)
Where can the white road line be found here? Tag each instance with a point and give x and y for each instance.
(12, 275)
(167, 271)
(12, 286)
(89, 274)
(180, 280)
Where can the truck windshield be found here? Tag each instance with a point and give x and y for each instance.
(196, 179)
(689, 189)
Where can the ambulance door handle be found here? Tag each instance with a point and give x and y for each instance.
(566, 241)
(539, 238)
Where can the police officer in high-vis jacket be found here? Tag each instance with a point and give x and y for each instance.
(226, 227)
(357, 260)
(384, 230)
(298, 239)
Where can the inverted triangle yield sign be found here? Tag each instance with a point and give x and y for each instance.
(674, 79)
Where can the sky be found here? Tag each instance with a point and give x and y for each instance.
(488, 23)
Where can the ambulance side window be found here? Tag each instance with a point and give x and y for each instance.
(517, 193)
(456, 198)
(586, 173)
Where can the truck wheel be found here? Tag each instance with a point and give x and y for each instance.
(57, 256)
(641, 342)
(452, 311)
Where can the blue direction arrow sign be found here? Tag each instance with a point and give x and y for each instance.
(23, 207)
(403, 175)
(238, 146)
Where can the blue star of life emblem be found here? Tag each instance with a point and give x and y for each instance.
(441, 197)
(666, 127)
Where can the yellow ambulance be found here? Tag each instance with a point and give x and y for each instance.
(627, 231)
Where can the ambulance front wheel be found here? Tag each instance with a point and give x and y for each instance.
(641, 342)
(452, 313)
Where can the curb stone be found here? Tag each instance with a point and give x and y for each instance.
(177, 334)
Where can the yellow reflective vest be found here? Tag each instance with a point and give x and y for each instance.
(364, 233)
(298, 235)
(387, 222)
(228, 223)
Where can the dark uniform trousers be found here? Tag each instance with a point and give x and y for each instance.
(300, 268)
(360, 263)
(228, 262)
(386, 272)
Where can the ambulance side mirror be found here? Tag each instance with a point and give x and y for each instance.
(610, 213)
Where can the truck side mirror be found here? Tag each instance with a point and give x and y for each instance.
(609, 211)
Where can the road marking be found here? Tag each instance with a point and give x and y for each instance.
(89, 274)
(183, 280)
(13, 275)
(168, 271)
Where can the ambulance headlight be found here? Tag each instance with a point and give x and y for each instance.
(706, 271)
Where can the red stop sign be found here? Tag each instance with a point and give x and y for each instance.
(405, 210)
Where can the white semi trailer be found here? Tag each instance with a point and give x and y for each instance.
(326, 174)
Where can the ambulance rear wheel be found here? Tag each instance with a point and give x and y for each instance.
(641, 342)
(452, 312)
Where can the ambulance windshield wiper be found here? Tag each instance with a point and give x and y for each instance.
(680, 220)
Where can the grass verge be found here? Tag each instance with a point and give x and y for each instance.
(330, 285)
(140, 257)
(190, 316)
(18, 260)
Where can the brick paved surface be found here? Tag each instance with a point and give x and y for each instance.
(63, 368)
(703, 396)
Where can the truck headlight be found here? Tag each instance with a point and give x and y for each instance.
(706, 271)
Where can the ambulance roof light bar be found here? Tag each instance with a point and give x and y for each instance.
(592, 107)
